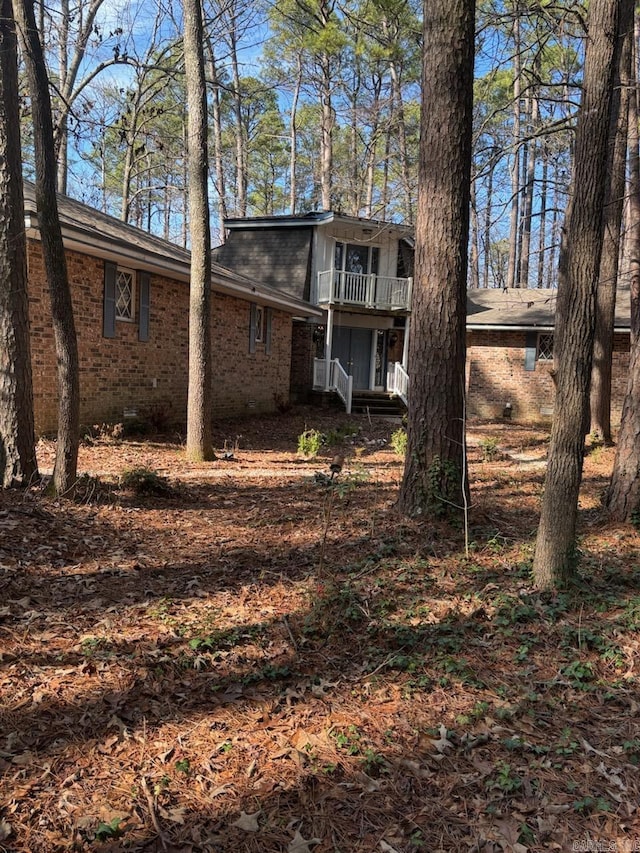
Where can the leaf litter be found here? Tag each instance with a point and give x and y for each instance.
(260, 658)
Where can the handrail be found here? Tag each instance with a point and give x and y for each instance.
(398, 382)
(342, 382)
(339, 380)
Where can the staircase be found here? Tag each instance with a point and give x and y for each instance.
(377, 404)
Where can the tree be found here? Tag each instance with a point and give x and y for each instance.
(17, 441)
(64, 474)
(434, 475)
(199, 397)
(623, 496)
(554, 561)
(616, 177)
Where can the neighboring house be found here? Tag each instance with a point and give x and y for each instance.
(358, 271)
(510, 353)
(130, 294)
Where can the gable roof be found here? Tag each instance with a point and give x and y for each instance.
(92, 232)
(526, 309)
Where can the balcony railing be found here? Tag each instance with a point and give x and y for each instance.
(379, 292)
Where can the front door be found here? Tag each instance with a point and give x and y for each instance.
(353, 348)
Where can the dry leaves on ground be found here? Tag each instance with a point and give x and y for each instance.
(257, 658)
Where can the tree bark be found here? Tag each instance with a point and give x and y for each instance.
(554, 562)
(606, 299)
(623, 497)
(64, 474)
(18, 464)
(199, 445)
(514, 216)
(434, 476)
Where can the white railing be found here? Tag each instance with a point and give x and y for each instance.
(339, 379)
(398, 382)
(383, 293)
(343, 383)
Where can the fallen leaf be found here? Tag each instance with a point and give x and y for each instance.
(300, 845)
(248, 822)
(5, 830)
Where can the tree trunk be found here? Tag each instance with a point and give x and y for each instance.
(326, 135)
(199, 445)
(434, 476)
(241, 164)
(623, 498)
(514, 217)
(606, 299)
(64, 474)
(527, 212)
(543, 216)
(554, 562)
(293, 139)
(17, 442)
(217, 140)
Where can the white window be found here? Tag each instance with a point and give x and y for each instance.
(259, 324)
(125, 295)
(545, 347)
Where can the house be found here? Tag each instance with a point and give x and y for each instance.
(357, 271)
(510, 353)
(130, 294)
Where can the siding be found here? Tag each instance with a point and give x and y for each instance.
(278, 257)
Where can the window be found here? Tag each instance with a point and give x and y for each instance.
(357, 258)
(125, 295)
(122, 288)
(545, 347)
(259, 324)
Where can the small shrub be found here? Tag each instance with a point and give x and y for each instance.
(309, 443)
(489, 447)
(102, 432)
(282, 403)
(158, 417)
(339, 434)
(145, 481)
(399, 441)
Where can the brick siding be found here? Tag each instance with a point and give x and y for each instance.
(125, 373)
(496, 376)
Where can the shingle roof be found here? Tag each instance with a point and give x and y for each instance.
(95, 233)
(519, 308)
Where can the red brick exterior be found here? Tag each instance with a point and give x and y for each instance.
(496, 376)
(125, 373)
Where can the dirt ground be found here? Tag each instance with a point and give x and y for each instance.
(244, 655)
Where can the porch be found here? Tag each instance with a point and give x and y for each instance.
(364, 290)
(329, 375)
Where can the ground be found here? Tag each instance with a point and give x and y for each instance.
(248, 655)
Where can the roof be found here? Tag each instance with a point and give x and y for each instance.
(312, 219)
(95, 233)
(522, 309)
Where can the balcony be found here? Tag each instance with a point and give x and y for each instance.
(362, 290)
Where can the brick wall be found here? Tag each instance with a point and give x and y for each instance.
(125, 373)
(496, 376)
(303, 351)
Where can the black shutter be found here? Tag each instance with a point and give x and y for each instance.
(252, 327)
(267, 333)
(143, 325)
(109, 308)
(531, 350)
